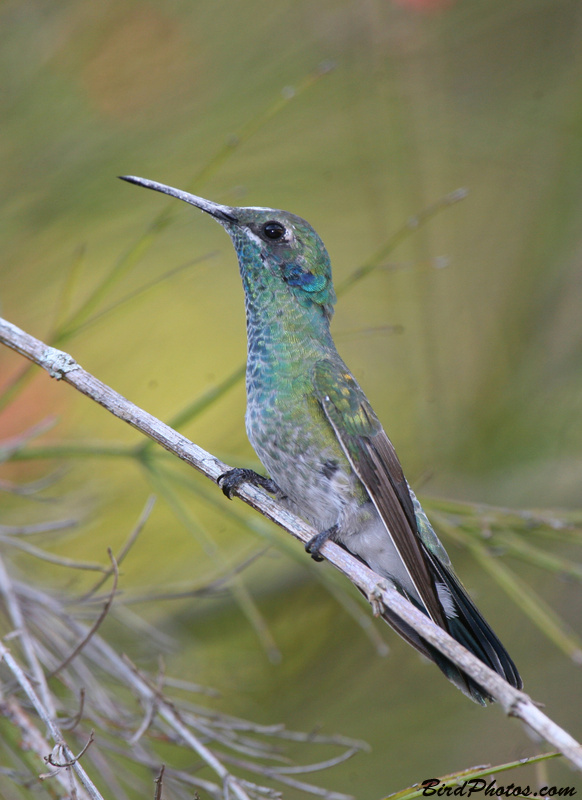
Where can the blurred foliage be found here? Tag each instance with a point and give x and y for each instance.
(473, 314)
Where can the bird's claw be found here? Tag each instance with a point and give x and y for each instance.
(314, 545)
(312, 548)
(230, 481)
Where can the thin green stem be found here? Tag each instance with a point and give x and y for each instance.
(66, 296)
(73, 450)
(252, 127)
(473, 773)
(530, 602)
(140, 291)
(162, 220)
(514, 544)
(121, 268)
(199, 405)
(408, 229)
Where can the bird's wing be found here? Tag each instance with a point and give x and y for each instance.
(374, 460)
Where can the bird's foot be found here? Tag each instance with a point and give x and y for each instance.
(315, 544)
(375, 598)
(230, 481)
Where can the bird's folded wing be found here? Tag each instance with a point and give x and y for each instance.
(374, 460)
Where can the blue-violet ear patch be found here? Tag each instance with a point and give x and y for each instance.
(294, 275)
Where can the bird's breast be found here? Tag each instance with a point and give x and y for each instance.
(300, 452)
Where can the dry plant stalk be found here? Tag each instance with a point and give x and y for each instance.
(515, 703)
(44, 629)
(49, 639)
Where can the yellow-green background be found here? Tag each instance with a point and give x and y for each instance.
(479, 385)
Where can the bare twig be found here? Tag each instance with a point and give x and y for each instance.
(158, 782)
(17, 619)
(188, 686)
(143, 518)
(33, 488)
(53, 730)
(97, 622)
(72, 723)
(12, 445)
(515, 703)
(167, 711)
(61, 561)
(40, 527)
(50, 759)
(203, 588)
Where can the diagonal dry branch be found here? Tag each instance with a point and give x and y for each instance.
(12, 709)
(515, 703)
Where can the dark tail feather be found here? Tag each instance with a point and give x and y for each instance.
(471, 630)
(468, 628)
(463, 682)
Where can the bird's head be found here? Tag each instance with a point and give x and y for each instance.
(270, 244)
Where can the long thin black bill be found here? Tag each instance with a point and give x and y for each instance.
(216, 210)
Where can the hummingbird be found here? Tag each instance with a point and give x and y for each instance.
(326, 453)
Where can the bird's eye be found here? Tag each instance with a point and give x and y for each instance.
(273, 230)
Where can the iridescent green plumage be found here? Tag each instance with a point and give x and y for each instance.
(315, 432)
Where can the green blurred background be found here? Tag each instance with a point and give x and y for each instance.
(466, 338)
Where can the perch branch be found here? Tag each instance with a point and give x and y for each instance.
(515, 703)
